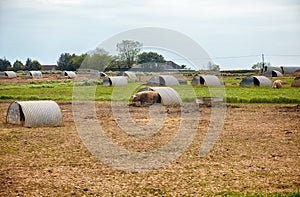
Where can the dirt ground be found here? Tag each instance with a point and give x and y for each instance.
(257, 152)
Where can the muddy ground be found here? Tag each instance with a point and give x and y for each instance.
(257, 152)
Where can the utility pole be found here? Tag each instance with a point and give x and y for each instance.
(263, 60)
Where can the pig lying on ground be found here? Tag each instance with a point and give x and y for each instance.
(146, 97)
(277, 84)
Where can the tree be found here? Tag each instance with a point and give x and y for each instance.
(128, 51)
(260, 65)
(64, 62)
(99, 60)
(4, 64)
(32, 65)
(213, 67)
(35, 65)
(150, 57)
(18, 65)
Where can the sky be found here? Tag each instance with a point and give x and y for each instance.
(235, 33)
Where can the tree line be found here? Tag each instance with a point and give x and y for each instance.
(19, 66)
(99, 59)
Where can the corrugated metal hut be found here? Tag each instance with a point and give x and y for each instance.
(35, 74)
(296, 82)
(168, 96)
(163, 80)
(210, 80)
(276, 73)
(115, 81)
(69, 74)
(261, 81)
(9, 74)
(34, 113)
(102, 74)
(196, 81)
(130, 75)
(247, 81)
(290, 69)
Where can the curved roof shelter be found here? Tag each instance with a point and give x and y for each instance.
(296, 82)
(276, 73)
(247, 81)
(34, 113)
(261, 81)
(35, 74)
(163, 80)
(115, 81)
(210, 80)
(9, 74)
(130, 75)
(69, 74)
(168, 95)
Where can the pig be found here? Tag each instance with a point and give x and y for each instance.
(146, 97)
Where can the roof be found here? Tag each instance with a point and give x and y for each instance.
(168, 95)
(115, 81)
(296, 82)
(276, 73)
(210, 80)
(247, 81)
(34, 113)
(262, 81)
(130, 75)
(163, 80)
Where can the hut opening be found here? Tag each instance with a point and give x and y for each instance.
(115, 81)
(69, 74)
(210, 80)
(163, 80)
(34, 113)
(35, 74)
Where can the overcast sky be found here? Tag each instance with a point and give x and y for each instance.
(234, 32)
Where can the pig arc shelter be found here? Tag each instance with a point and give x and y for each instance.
(34, 113)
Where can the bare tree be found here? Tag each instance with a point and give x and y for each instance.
(128, 51)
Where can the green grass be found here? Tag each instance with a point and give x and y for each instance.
(93, 90)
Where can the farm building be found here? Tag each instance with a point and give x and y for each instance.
(35, 74)
(247, 81)
(167, 95)
(130, 75)
(276, 73)
(163, 80)
(296, 82)
(34, 113)
(69, 74)
(268, 70)
(8, 74)
(115, 81)
(209, 80)
(196, 81)
(256, 81)
(261, 81)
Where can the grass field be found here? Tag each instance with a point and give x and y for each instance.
(63, 90)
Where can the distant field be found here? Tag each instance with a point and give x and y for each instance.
(63, 90)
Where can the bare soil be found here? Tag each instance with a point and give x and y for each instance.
(257, 152)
